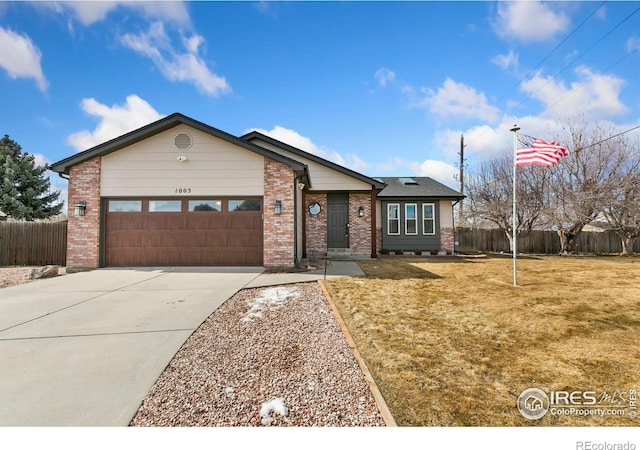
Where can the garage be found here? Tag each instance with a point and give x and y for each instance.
(142, 232)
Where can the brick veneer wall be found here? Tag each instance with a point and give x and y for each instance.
(315, 226)
(83, 232)
(447, 239)
(360, 227)
(279, 240)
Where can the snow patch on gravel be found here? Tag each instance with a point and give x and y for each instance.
(275, 406)
(269, 298)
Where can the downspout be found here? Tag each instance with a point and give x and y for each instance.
(295, 220)
(453, 210)
(374, 231)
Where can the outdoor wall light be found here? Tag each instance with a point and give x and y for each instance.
(361, 212)
(80, 209)
(278, 207)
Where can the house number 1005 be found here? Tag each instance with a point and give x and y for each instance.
(183, 190)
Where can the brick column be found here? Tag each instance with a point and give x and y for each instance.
(83, 232)
(316, 226)
(279, 232)
(360, 227)
(447, 239)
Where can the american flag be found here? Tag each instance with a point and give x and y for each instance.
(537, 151)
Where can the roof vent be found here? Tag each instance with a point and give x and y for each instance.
(183, 141)
(408, 181)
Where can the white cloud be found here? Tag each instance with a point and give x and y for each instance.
(480, 140)
(295, 139)
(633, 44)
(593, 94)
(114, 121)
(438, 170)
(458, 100)
(21, 58)
(89, 12)
(529, 21)
(508, 61)
(175, 65)
(384, 76)
(40, 160)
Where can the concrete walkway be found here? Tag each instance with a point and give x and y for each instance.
(333, 269)
(84, 349)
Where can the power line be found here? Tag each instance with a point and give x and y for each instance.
(544, 59)
(574, 60)
(552, 51)
(610, 137)
(604, 70)
(582, 54)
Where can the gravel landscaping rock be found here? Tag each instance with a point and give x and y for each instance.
(267, 357)
(11, 276)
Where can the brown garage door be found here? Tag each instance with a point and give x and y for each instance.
(183, 232)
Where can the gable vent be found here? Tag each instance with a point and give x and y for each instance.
(183, 141)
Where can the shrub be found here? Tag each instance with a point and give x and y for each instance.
(384, 251)
(417, 252)
(399, 252)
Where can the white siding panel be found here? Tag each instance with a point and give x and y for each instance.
(322, 178)
(213, 167)
(446, 214)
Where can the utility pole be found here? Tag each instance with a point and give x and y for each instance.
(461, 207)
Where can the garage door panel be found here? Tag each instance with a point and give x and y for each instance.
(183, 238)
(166, 221)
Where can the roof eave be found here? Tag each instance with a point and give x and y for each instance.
(159, 126)
(296, 151)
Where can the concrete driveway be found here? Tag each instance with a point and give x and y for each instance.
(84, 349)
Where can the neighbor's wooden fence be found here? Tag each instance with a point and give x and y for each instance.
(541, 242)
(33, 243)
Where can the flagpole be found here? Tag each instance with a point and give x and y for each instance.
(514, 224)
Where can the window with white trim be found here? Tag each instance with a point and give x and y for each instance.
(410, 218)
(428, 218)
(393, 218)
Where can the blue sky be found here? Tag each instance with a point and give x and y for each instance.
(384, 88)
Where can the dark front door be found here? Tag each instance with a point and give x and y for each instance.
(338, 221)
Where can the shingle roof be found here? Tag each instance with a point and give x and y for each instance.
(416, 187)
(296, 151)
(163, 125)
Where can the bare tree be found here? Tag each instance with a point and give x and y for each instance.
(580, 184)
(490, 196)
(622, 211)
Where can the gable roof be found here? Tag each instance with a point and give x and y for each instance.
(167, 123)
(296, 151)
(417, 187)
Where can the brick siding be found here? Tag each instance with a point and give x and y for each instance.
(315, 226)
(83, 232)
(447, 239)
(360, 227)
(279, 240)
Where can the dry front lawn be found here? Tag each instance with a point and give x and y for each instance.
(451, 342)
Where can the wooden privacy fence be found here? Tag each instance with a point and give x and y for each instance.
(33, 243)
(540, 242)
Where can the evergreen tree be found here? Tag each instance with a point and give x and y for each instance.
(25, 189)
